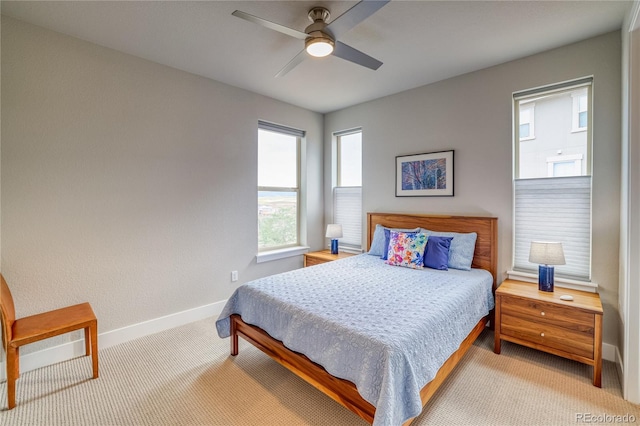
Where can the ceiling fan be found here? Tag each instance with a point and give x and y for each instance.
(321, 38)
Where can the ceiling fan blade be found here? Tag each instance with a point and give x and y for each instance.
(293, 63)
(348, 53)
(271, 25)
(354, 16)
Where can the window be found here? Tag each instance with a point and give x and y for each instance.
(347, 195)
(526, 121)
(552, 178)
(564, 165)
(350, 159)
(564, 168)
(580, 111)
(278, 186)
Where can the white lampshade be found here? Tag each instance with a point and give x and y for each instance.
(546, 253)
(334, 231)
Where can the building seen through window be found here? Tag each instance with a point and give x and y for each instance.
(559, 146)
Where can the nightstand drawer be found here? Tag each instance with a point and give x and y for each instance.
(546, 334)
(323, 256)
(553, 314)
(310, 261)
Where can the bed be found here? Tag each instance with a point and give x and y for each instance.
(344, 340)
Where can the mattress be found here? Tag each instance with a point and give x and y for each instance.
(387, 329)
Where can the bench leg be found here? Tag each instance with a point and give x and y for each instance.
(13, 371)
(87, 341)
(93, 338)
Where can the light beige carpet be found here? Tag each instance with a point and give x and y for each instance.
(185, 376)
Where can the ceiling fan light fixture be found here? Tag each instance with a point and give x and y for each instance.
(319, 46)
(320, 37)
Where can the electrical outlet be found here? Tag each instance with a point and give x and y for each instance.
(234, 275)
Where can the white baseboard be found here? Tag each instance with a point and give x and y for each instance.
(620, 367)
(75, 349)
(609, 352)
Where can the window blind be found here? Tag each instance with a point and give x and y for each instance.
(554, 209)
(347, 205)
(278, 128)
(586, 81)
(347, 132)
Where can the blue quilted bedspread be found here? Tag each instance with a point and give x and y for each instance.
(388, 329)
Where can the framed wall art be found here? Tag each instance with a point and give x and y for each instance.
(425, 175)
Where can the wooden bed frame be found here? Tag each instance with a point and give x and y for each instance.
(344, 391)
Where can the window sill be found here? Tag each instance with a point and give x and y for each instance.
(590, 287)
(268, 256)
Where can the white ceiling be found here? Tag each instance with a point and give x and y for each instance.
(420, 42)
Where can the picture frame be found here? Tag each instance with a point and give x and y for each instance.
(425, 175)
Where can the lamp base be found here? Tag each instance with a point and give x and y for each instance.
(334, 246)
(545, 278)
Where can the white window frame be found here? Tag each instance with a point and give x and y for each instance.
(520, 269)
(347, 202)
(277, 252)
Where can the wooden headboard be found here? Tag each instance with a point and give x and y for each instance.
(486, 253)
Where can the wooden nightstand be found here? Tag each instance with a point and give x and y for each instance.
(540, 320)
(323, 256)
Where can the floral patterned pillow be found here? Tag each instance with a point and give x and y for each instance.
(406, 249)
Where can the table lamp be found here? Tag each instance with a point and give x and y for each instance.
(546, 254)
(334, 232)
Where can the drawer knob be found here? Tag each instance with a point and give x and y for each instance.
(542, 313)
(541, 334)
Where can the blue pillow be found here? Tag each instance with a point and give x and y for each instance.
(379, 246)
(436, 255)
(377, 243)
(387, 238)
(461, 249)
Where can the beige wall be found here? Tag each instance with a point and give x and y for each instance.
(472, 115)
(130, 184)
